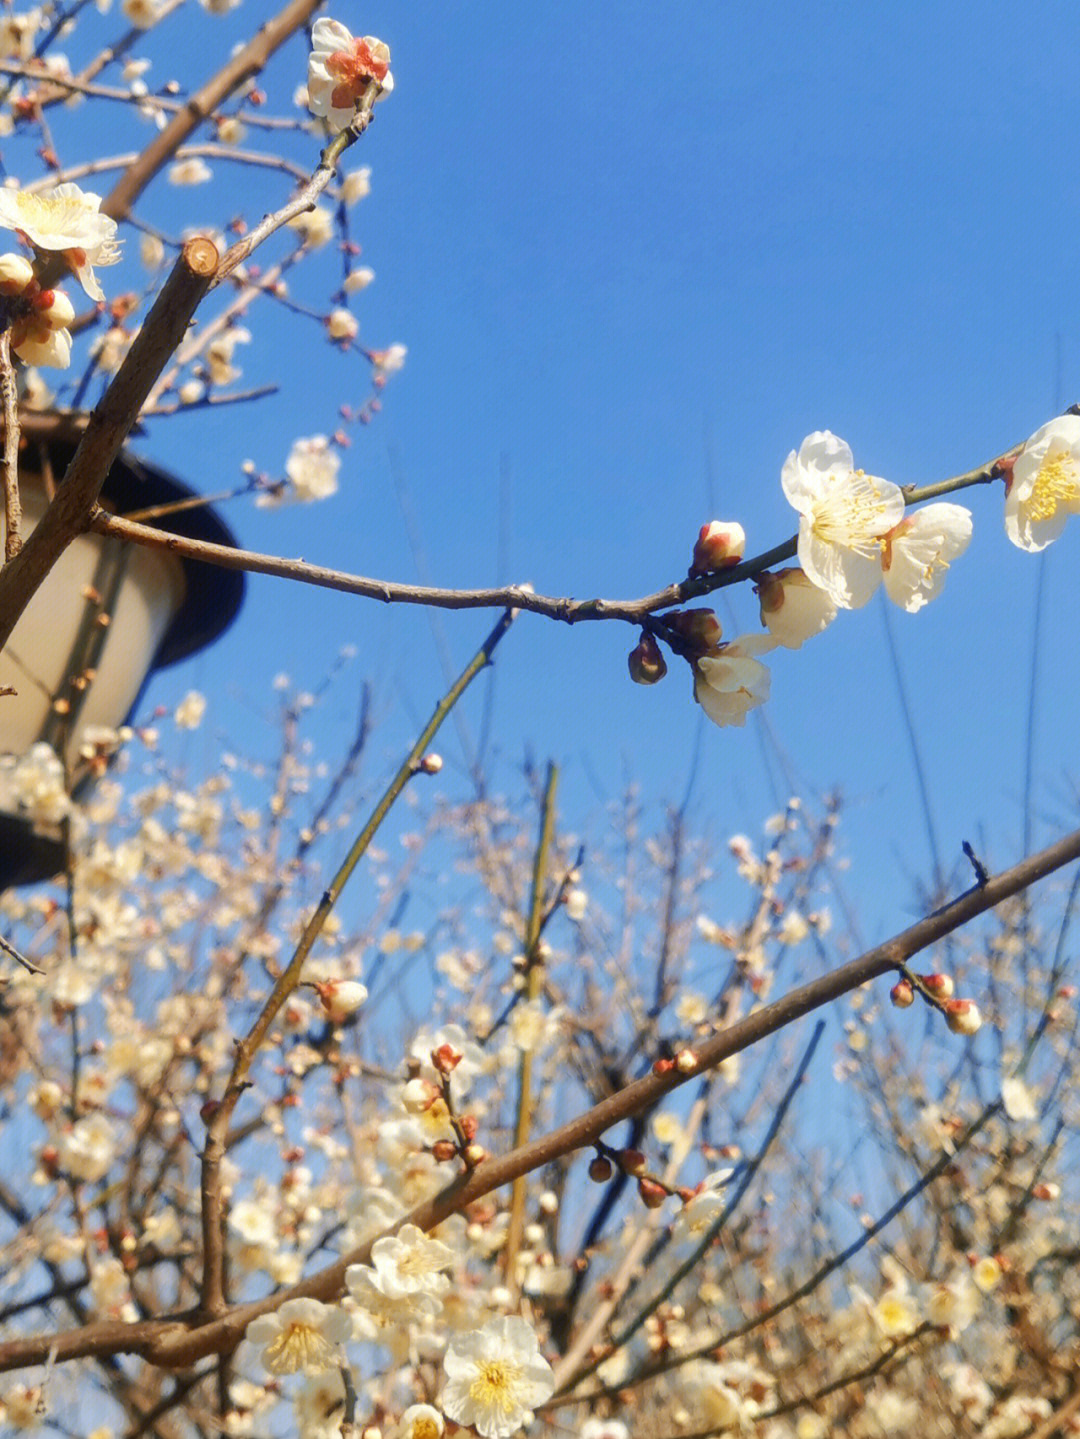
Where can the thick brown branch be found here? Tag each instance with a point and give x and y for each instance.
(69, 513)
(247, 62)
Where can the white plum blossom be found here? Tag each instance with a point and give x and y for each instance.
(1018, 1100)
(34, 782)
(844, 515)
(420, 1421)
(192, 171)
(313, 467)
(66, 219)
(495, 1377)
(87, 1149)
(733, 681)
(919, 550)
(404, 1280)
(793, 608)
(340, 69)
(302, 1334)
(319, 1406)
(189, 712)
(1044, 487)
(356, 185)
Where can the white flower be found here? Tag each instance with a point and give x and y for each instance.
(342, 325)
(189, 712)
(390, 360)
(730, 683)
(793, 608)
(320, 1406)
(66, 219)
(340, 69)
(87, 1149)
(844, 516)
(356, 185)
(219, 354)
(1018, 1099)
(421, 1421)
(190, 172)
(313, 467)
(143, 13)
(303, 1334)
(918, 551)
(315, 226)
(495, 1378)
(1044, 489)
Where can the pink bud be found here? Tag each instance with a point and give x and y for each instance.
(699, 629)
(720, 543)
(652, 1194)
(940, 985)
(962, 1016)
(902, 994)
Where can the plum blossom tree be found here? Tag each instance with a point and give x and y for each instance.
(255, 1197)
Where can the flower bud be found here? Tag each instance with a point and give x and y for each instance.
(652, 1193)
(631, 1161)
(940, 985)
(686, 1061)
(902, 994)
(699, 629)
(600, 1169)
(15, 274)
(792, 607)
(341, 998)
(962, 1016)
(419, 1096)
(443, 1150)
(474, 1154)
(430, 764)
(720, 543)
(646, 661)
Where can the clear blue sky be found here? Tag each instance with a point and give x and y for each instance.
(636, 255)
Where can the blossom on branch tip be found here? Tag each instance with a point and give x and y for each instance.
(1043, 489)
(495, 1378)
(720, 544)
(340, 70)
(844, 515)
(312, 467)
(793, 608)
(68, 220)
(916, 554)
(732, 682)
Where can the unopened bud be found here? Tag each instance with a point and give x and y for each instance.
(646, 661)
(962, 1016)
(446, 1058)
(699, 629)
(419, 1096)
(341, 998)
(652, 1193)
(443, 1150)
(720, 543)
(474, 1154)
(631, 1161)
(430, 764)
(686, 1061)
(940, 985)
(600, 1169)
(663, 1066)
(902, 994)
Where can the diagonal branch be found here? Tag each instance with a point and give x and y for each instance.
(180, 1340)
(69, 513)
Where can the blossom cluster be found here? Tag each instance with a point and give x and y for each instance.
(855, 534)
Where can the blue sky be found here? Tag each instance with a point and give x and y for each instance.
(636, 256)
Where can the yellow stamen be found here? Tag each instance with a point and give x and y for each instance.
(1056, 484)
(298, 1346)
(494, 1384)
